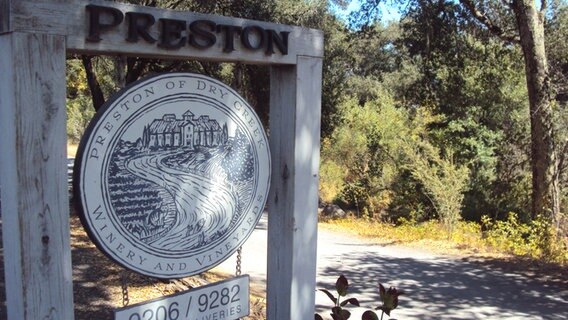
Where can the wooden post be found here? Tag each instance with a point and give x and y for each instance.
(35, 208)
(5, 7)
(295, 100)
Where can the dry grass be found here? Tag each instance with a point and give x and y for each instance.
(467, 238)
(97, 280)
(466, 243)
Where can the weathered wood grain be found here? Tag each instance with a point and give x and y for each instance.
(5, 9)
(71, 19)
(35, 209)
(295, 102)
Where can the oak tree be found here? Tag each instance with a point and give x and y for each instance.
(517, 22)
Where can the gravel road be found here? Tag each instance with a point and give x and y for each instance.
(436, 286)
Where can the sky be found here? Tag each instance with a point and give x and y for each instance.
(389, 12)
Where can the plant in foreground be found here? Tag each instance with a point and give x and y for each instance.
(389, 300)
(337, 312)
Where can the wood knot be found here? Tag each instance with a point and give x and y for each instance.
(285, 172)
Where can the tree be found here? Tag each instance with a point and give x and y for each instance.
(556, 32)
(475, 84)
(530, 23)
(517, 22)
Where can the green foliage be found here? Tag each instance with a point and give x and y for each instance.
(477, 86)
(375, 148)
(444, 182)
(79, 107)
(421, 119)
(470, 92)
(556, 31)
(332, 177)
(536, 239)
(364, 153)
(338, 60)
(487, 125)
(373, 64)
(507, 235)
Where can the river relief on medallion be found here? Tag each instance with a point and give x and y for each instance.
(183, 182)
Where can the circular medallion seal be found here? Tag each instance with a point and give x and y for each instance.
(172, 175)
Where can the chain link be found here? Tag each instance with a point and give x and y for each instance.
(239, 260)
(239, 256)
(124, 283)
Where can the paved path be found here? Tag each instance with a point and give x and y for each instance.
(437, 287)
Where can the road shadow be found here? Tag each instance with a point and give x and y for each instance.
(451, 289)
(91, 281)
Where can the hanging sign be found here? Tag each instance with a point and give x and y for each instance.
(172, 175)
(227, 299)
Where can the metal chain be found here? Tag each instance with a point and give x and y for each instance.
(124, 282)
(239, 260)
(239, 257)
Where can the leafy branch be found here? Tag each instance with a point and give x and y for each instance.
(389, 301)
(337, 312)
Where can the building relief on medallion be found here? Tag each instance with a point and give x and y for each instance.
(180, 184)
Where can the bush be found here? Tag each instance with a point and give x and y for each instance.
(536, 239)
(444, 182)
(364, 156)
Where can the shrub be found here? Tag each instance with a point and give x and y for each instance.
(443, 181)
(536, 239)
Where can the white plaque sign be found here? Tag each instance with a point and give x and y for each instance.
(172, 175)
(225, 300)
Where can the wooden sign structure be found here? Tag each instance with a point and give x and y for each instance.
(36, 36)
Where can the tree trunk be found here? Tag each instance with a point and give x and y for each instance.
(545, 183)
(120, 64)
(96, 92)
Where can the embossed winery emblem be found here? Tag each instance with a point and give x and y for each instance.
(172, 175)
